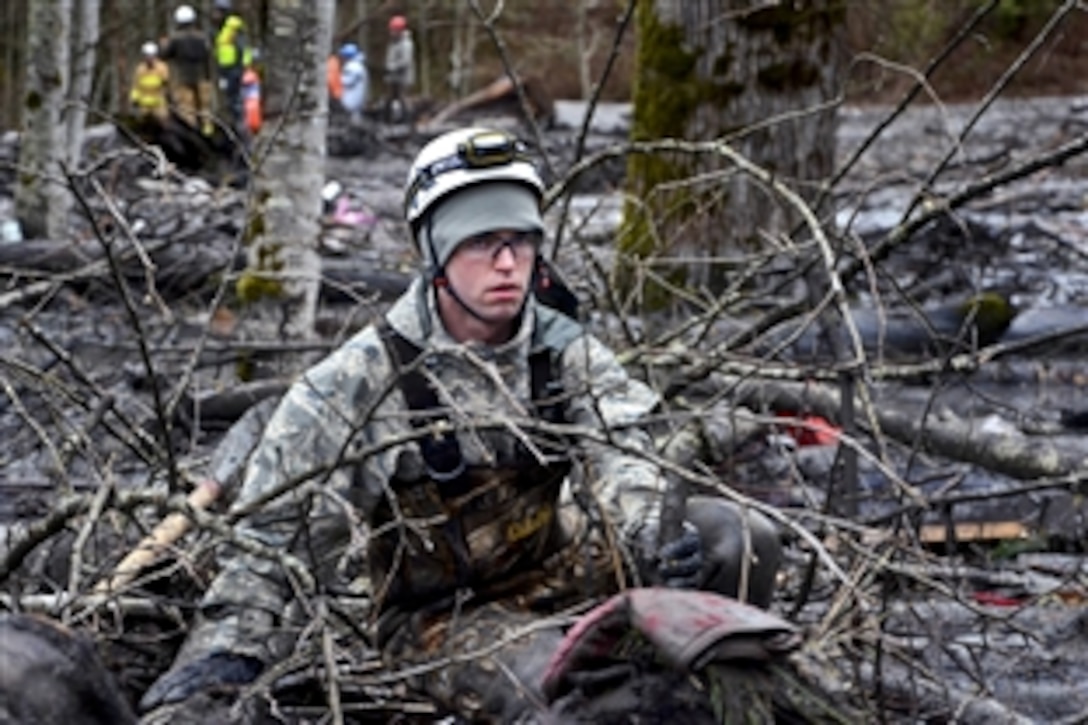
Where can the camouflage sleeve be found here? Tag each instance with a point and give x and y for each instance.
(605, 398)
(299, 454)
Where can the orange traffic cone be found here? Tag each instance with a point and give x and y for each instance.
(251, 100)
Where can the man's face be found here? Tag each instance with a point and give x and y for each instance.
(491, 272)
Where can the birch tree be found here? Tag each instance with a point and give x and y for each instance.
(42, 199)
(283, 259)
(84, 44)
(757, 75)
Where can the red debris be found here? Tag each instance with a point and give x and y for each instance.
(810, 430)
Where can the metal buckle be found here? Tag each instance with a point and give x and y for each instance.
(442, 458)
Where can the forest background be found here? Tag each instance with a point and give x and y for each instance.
(564, 44)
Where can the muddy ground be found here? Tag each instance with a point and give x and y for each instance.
(994, 630)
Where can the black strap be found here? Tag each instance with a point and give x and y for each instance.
(442, 454)
(545, 386)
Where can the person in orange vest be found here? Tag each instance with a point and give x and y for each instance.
(332, 78)
(251, 100)
(149, 95)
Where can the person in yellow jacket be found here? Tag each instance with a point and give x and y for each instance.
(150, 86)
(232, 57)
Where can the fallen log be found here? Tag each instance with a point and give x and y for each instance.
(501, 93)
(30, 269)
(1014, 456)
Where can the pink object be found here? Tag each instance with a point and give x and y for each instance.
(350, 216)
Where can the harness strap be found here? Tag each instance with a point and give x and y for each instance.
(442, 453)
(545, 386)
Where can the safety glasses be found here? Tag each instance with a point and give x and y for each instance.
(487, 247)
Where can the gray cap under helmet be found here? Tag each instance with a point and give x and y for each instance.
(477, 209)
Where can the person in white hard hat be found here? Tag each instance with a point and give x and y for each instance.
(482, 446)
(149, 94)
(188, 53)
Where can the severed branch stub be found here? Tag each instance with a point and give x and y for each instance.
(164, 535)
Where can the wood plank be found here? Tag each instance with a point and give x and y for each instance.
(965, 531)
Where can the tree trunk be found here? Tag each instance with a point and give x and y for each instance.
(84, 42)
(283, 259)
(42, 200)
(753, 74)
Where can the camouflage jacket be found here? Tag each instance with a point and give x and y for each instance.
(342, 434)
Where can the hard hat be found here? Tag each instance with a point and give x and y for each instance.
(349, 50)
(184, 15)
(397, 23)
(149, 49)
(462, 158)
(331, 190)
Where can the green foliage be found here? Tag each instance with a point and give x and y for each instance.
(253, 286)
(913, 29)
(245, 368)
(1014, 19)
(1009, 549)
(261, 279)
(991, 314)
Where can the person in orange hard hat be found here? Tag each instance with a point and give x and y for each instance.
(400, 67)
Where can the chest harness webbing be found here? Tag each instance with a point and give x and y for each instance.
(443, 462)
(442, 454)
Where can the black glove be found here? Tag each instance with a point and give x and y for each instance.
(680, 561)
(215, 670)
(677, 563)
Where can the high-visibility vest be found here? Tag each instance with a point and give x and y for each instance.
(149, 84)
(251, 100)
(227, 43)
(332, 77)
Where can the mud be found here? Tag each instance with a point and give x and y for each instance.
(80, 413)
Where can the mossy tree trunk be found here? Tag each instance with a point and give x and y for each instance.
(757, 75)
(42, 198)
(282, 234)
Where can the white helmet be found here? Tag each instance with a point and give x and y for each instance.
(464, 157)
(184, 15)
(149, 49)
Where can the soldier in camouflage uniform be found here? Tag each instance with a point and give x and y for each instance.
(446, 433)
